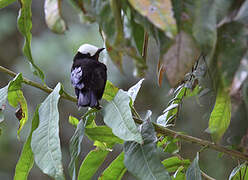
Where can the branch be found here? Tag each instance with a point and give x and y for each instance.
(158, 128)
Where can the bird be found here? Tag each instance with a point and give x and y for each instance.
(88, 76)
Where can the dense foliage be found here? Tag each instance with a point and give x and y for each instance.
(203, 47)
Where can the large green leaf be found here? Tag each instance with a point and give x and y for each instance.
(115, 170)
(220, 116)
(91, 163)
(53, 16)
(118, 116)
(158, 12)
(110, 91)
(26, 159)
(142, 160)
(194, 172)
(102, 134)
(16, 98)
(4, 3)
(231, 47)
(45, 141)
(75, 148)
(25, 26)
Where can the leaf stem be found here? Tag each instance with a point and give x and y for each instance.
(158, 128)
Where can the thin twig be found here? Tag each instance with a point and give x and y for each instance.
(206, 176)
(159, 129)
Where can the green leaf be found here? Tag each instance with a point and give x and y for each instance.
(231, 47)
(118, 116)
(220, 116)
(241, 169)
(45, 141)
(142, 160)
(4, 3)
(53, 16)
(242, 15)
(110, 91)
(194, 172)
(91, 163)
(158, 12)
(133, 91)
(26, 159)
(25, 26)
(205, 21)
(16, 98)
(75, 148)
(173, 163)
(115, 170)
(102, 134)
(73, 121)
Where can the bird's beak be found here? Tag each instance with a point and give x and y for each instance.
(99, 50)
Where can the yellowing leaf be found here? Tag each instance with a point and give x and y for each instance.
(158, 12)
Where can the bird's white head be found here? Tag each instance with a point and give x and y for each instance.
(88, 48)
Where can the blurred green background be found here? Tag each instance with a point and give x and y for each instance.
(53, 54)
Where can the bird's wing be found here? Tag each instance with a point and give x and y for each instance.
(99, 80)
(76, 78)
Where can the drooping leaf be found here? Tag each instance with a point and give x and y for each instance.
(173, 163)
(220, 116)
(240, 169)
(118, 116)
(142, 160)
(16, 98)
(242, 15)
(194, 172)
(91, 163)
(53, 16)
(26, 159)
(45, 141)
(75, 148)
(110, 91)
(180, 58)
(133, 91)
(231, 47)
(115, 170)
(4, 3)
(102, 134)
(25, 26)
(158, 12)
(205, 21)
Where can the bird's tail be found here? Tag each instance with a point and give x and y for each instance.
(87, 98)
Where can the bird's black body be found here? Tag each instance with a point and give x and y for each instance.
(88, 76)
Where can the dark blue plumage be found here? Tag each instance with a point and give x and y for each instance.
(88, 77)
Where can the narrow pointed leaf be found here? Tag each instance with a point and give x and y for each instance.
(25, 25)
(3, 98)
(26, 160)
(4, 3)
(118, 116)
(173, 163)
(241, 169)
(194, 172)
(142, 160)
(73, 121)
(115, 170)
(91, 163)
(53, 16)
(102, 134)
(75, 148)
(45, 141)
(133, 91)
(220, 116)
